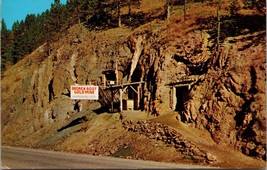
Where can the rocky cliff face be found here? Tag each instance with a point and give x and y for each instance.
(226, 96)
(229, 100)
(36, 91)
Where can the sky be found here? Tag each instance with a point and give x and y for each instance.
(17, 10)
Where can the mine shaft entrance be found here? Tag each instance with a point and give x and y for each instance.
(181, 94)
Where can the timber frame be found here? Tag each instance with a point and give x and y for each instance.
(136, 87)
(184, 86)
(114, 90)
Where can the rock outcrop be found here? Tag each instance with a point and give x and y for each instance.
(228, 97)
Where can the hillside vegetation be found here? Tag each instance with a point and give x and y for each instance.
(216, 47)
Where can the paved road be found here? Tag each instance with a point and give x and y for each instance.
(26, 158)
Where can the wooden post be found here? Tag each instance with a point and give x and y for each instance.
(171, 96)
(138, 97)
(121, 104)
(104, 81)
(174, 99)
(112, 98)
(116, 72)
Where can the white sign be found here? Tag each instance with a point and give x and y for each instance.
(88, 92)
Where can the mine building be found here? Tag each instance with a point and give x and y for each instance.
(119, 94)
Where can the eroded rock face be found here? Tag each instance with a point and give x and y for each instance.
(36, 91)
(163, 60)
(228, 98)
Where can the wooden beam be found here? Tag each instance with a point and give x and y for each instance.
(174, 99)
(112, 101)
(127, 84)
(116, 73)
(104, 80)
(171, 97)
(134, 89)
(125, 89)
(121, 96)
(138, 97)
(121, 104)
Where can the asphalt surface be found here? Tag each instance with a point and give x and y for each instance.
(26, 158)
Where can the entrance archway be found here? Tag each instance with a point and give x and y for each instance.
(182, 93)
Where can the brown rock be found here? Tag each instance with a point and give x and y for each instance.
(250, 146)
(260, 151)
(211, 158)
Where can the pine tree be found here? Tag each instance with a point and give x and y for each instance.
(29, 35)
(96, 13)
(54, 21)
(118, 4)
(18, 30)
(73, 12)
(6, 46)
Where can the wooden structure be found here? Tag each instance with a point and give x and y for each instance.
(119, 95)
(129, 95)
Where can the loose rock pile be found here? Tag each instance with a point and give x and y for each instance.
(170, 136)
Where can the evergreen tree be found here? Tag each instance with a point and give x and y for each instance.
(30, 36)
(116, 5)
(55, 21)
(96, 13)
(260, 5)
(18, 31)
(6, 45)
(73, 12)
(44, 26)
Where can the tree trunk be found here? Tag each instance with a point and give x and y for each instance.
(184, 10)
(168, 9)
(129, 10)
(219, 25)
(119, 13)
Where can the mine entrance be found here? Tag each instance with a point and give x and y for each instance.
(131, 97)
(181, 96)
(179, 92)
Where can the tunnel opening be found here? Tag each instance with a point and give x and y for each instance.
(181, 96)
